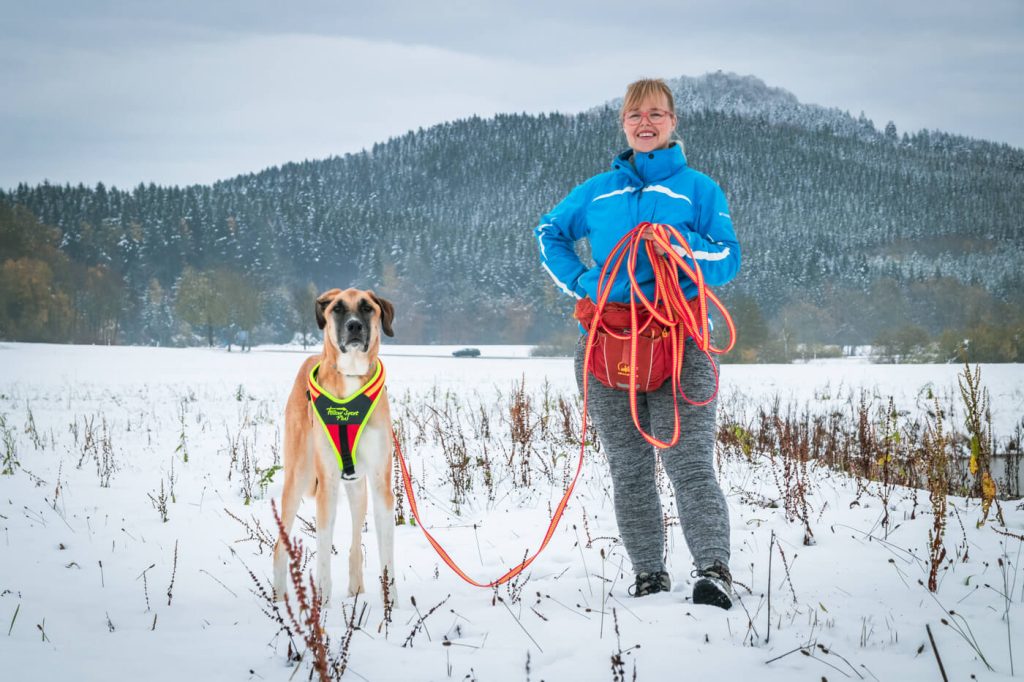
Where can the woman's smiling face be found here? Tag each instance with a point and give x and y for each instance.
(650, 125)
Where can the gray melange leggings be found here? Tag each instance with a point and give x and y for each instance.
(689, 464)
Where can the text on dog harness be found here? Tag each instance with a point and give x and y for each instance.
(344, 419)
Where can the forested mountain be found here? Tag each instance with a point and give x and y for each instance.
(848, 232)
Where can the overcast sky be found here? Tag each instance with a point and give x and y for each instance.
(192, 91)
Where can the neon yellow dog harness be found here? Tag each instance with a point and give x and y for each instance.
(344, 419)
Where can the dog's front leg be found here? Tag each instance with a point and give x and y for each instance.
(384, 523)
(326, 511)
(356, 492)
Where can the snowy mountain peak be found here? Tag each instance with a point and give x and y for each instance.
(722, 91)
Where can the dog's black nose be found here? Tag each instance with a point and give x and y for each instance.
(354, 326)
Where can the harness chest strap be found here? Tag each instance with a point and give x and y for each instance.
(343, 419)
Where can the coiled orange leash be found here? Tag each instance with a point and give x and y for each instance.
(678, 319)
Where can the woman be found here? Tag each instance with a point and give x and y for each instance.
(651, 182)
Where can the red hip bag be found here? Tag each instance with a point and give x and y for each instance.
(610, 361)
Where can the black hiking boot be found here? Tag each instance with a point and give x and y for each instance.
(713, 586)
(650, 583)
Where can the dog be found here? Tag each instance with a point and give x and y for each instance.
(315, 462)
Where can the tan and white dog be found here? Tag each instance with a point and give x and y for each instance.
(352, 321)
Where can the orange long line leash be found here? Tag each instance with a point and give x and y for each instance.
(675, 315)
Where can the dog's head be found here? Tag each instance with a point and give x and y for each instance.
(352, 321)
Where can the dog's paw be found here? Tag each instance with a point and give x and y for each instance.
(358, 588)
(324, 589)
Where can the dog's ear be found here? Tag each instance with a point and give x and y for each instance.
(387, 313)
(322, 301)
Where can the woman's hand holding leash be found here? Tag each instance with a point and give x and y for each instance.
(648, 234)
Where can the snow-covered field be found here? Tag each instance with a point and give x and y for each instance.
(96, 585)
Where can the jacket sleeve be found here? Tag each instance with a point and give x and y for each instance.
(556, 234)
(713, 242)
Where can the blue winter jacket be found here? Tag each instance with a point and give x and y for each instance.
(657, 187)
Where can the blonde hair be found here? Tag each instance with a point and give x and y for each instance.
(646, 88)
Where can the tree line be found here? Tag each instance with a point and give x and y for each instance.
(848, 234)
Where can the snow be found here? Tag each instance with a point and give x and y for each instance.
(92, 566)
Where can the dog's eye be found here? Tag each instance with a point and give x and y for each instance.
(365, 307)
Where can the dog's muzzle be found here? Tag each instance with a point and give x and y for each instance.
(354, 335)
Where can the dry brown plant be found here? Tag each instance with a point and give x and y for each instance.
(305, 615)
(978, 423)
(935, 452)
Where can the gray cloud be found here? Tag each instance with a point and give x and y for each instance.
(194, 91)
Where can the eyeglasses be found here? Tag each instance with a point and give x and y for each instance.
(655, 116)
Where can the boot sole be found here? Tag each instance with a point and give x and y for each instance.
(706, 592)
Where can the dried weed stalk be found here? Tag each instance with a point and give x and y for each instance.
(8, 450)
(978, 423)
(935, 451)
